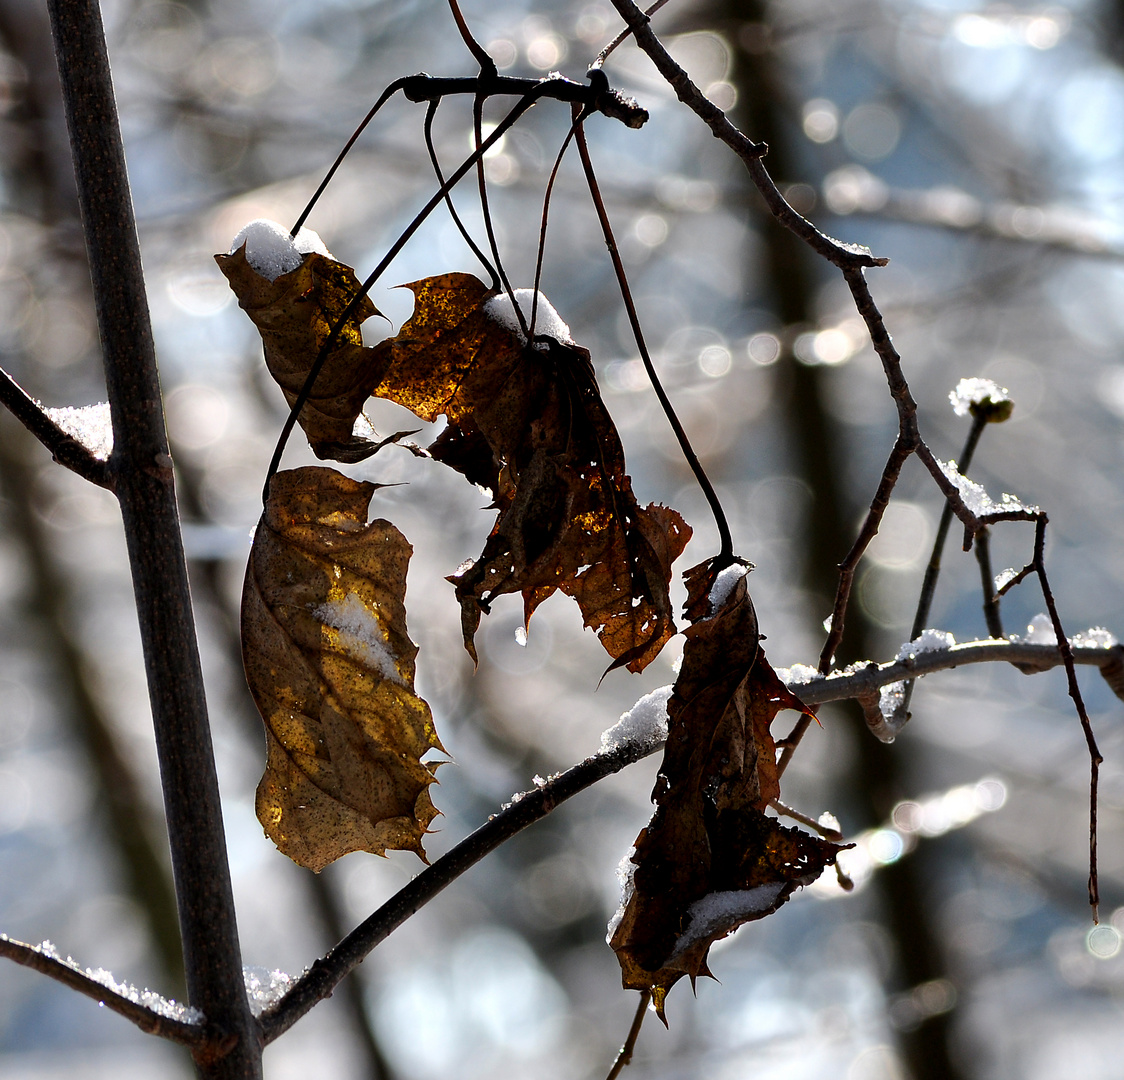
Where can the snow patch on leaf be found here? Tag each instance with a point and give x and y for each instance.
(359, 634)
(547, 320)
(626, 878)
(271, 251)
(724, 584)
(717, 913)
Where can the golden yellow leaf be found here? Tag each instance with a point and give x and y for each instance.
(331, 669)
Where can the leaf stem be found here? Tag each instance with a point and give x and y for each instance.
(428, 130)
(726, 551)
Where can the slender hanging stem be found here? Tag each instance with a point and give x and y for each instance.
(726, 552)
(387, 94)
(487, 64)
(428, 128)
(482, 183)
(545, 213)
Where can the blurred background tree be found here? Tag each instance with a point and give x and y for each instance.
(978, 147)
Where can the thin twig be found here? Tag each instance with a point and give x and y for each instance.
(423, 87)
(427, 128)
(790, 812)
(482, 187)
(487, 64)
(387, 94)
(992, 615)
(32, 956)
(622, 37)
(1067, 655)
(845, 256)
(1028, 657)
(890, 473)
(625, 1055)
(933, 570)
(64, 448)
(1025, 572)
(726, 553)
(545, 213)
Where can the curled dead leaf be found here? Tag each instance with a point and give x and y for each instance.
(527, 422)
(711, 859)
(331, 668)
(295, 315)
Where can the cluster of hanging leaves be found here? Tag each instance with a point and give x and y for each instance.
(324, 632)
(331, 668)
(711, 859)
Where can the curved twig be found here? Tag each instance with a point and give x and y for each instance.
(487, 64)
(387, 94)
(427, 129)
(845, 256)
(726, 553)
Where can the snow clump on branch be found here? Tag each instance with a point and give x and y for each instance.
(644, 725)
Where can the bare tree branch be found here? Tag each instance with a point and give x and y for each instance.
(525, 809)
(845, 256)
(64, 447)
(34, 957)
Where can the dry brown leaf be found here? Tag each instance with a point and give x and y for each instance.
(331, 669)
(528, 423)
(295, 315)
(711, 859)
